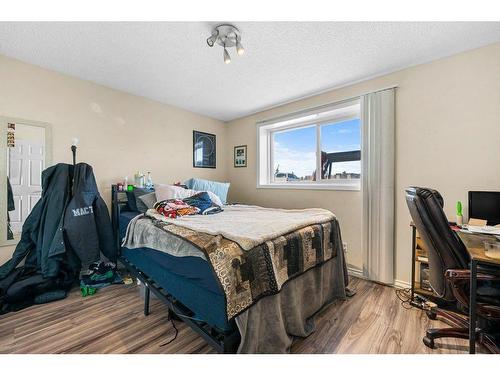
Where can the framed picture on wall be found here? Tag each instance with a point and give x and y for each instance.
(204, 150)
(240, 156)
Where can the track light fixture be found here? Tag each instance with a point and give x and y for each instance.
(226, 35)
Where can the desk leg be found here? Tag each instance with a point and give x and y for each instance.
(472, 307)
(413, 255)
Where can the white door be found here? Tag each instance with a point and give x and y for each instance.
(26, 163)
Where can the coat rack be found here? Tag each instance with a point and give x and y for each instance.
(73, 150)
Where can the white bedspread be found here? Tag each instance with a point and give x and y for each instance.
(250, 226)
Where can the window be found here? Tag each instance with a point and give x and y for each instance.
(294, 154)
(292, 150)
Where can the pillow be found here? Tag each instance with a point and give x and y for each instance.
(164, 192)
(134, 203)
(215, 199)
(218, 188)
(147, 201)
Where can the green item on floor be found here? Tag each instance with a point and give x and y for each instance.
(87, 291)
(100, 277)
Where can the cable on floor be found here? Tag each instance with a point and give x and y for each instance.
(176, 332)
(404, 295)
(175, 328)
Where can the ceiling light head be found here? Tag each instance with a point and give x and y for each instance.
(227, 36)
(227, 58)
(239, 48)
(212, 38)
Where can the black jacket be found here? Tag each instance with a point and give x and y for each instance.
(10, 197)
(70, 218)
(87, 225)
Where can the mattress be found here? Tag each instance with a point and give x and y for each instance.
(190, 279)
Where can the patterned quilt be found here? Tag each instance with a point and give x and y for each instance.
(248, 275)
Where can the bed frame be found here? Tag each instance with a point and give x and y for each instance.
(222, 341)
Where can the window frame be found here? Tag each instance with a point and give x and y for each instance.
(265, 135)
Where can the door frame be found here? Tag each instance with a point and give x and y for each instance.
(3, 166)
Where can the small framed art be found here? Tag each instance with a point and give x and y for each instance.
(204, 150)
(240, 156)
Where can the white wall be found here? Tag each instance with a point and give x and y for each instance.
(447, 137)
(119, 133)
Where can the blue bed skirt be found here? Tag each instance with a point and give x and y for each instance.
(188, 279)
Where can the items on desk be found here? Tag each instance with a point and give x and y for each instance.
(477, 222)
(486, 229)
(485, 205)
(459, 214)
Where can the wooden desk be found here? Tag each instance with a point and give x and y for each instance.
(475, 246)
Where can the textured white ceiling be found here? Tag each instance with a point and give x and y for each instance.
(170, 61)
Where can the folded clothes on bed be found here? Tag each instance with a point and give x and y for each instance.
(199, 203)
(175, 207)
(202, 201)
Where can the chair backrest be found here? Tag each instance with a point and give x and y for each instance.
(445, 249)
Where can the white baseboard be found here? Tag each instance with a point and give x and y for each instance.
(401, 284)
(356, 272)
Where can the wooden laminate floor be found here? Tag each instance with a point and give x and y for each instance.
(112, 321)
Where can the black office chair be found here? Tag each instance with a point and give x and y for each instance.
(449, 272)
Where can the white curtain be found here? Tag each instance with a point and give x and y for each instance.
(378, 185)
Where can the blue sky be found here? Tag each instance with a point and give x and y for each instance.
(295, 151)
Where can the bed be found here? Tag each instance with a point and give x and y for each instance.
(212, 291)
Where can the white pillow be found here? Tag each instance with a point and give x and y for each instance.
(164, 192)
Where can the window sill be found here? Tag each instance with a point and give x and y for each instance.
(344, 186)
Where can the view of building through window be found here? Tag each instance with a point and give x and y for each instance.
(295, 155)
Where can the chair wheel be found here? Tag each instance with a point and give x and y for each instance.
(431, 314)
(428, 342)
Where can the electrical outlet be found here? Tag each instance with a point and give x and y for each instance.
(344, 246)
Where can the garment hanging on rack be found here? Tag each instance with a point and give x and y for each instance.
(11, 206)
(67, 229)
(87, 224)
